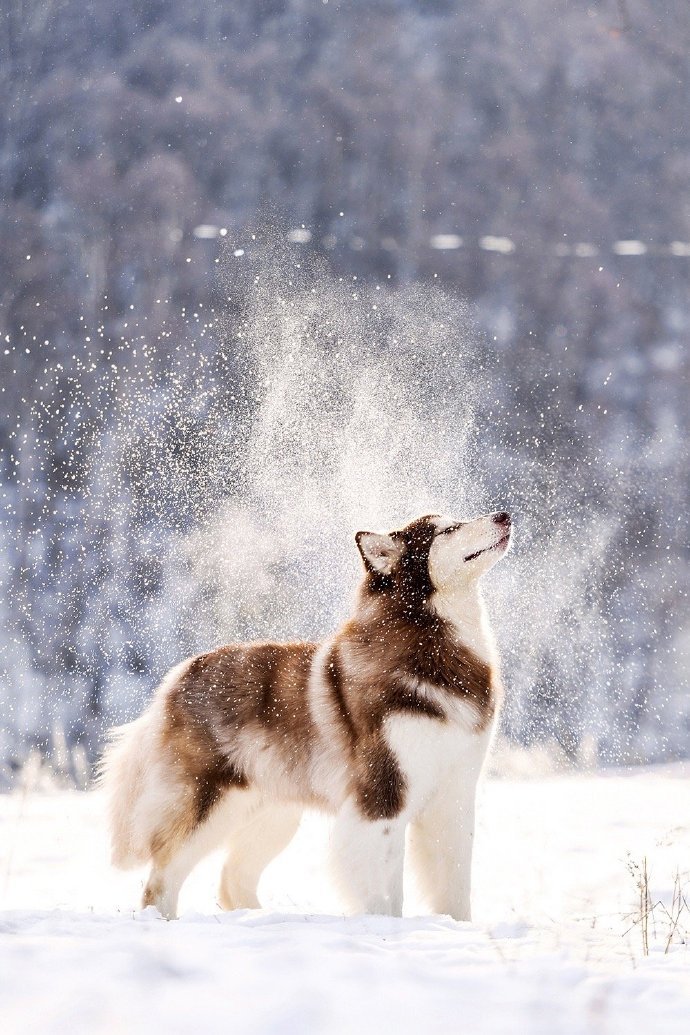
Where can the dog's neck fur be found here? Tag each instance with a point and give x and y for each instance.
(464, 609)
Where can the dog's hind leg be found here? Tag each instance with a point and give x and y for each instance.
(253, 846)
(177, 855)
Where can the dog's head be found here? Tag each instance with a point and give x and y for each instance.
(432, 554)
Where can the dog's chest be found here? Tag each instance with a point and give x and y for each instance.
(434, 754)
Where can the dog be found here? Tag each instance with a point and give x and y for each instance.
(385, 726)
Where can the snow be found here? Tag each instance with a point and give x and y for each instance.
(551, 948)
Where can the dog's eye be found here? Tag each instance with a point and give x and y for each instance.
(451, 528)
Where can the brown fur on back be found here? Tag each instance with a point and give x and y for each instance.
(259, 686)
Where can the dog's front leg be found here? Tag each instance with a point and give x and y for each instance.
(440, 850)
(367, 859)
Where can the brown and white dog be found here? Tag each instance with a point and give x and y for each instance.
(385, 725)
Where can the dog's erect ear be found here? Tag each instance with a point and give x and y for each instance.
(379, 552)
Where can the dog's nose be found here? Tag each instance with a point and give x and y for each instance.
(501, 518)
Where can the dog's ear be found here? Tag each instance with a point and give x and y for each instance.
(380, 553)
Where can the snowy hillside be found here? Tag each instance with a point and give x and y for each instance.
(553, 947)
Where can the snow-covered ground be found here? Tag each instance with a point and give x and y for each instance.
(551, 949)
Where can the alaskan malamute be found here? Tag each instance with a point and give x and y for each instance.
(384, 725)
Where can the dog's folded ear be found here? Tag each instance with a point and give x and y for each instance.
(379, 552)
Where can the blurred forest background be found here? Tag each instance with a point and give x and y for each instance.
(532, 157)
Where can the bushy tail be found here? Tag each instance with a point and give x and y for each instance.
(137, 781)
(122, 776)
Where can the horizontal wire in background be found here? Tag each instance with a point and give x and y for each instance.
(487, 243)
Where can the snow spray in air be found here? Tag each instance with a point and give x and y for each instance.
(210, 481)
(368, 406)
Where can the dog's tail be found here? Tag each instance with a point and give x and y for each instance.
(137, 781)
